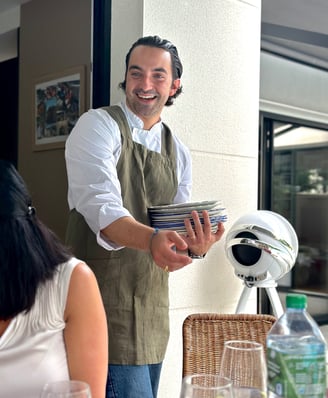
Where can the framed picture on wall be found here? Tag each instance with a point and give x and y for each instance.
(58, 102)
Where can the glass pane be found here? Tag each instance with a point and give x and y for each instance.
(300, 194)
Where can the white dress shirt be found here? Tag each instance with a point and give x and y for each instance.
(92, 152)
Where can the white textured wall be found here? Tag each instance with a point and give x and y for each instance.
(9, 23)
(9, 20)
(127, 27)
(217, 117)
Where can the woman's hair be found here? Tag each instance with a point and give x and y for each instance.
(29, 251)
(156, 41)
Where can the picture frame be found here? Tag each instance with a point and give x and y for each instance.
(59, 100)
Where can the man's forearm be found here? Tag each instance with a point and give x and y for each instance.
(128, 232)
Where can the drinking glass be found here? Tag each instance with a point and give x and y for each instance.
(244, 363)
(66, 389)
(206, 386)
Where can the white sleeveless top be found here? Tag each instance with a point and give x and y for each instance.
(32, 350)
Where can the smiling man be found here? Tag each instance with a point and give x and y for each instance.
(149, 83)
(120, 161)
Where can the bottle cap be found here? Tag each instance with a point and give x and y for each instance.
(296, 301)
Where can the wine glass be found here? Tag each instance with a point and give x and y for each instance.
(244, 363)
(66, 389)
(206, 386)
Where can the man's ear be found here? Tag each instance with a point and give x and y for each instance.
(175, 85)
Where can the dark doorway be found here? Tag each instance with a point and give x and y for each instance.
(101, 52)
(9, 110)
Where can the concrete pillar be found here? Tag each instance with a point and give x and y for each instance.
(217, 117)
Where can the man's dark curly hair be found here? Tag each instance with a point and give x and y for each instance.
(156, 41)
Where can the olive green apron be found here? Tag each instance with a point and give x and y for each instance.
(134, 289)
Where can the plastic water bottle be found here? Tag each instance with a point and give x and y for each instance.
(296, 353)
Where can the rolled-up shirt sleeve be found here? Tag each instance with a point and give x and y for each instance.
(91, 153)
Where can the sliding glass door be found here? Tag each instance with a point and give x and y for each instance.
(293, 181)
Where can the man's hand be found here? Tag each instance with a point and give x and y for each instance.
(166, 247)
(200, 238)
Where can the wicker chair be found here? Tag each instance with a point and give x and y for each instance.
(204, 336)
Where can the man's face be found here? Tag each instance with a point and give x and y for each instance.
(149, 83)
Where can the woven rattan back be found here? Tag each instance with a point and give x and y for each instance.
(204, 336)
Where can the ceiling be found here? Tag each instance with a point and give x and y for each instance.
(297, 29)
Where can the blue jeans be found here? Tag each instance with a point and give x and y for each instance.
(133, 381)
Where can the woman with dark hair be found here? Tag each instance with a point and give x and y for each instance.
(52, 320)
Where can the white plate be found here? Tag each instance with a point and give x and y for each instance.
(185, 206)
(182, 216)
(178, 224)
(184, 231)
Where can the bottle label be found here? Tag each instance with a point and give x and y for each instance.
(295, 376)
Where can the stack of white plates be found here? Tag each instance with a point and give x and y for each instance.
(172, 216)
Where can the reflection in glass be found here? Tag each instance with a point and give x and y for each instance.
(300, 194)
